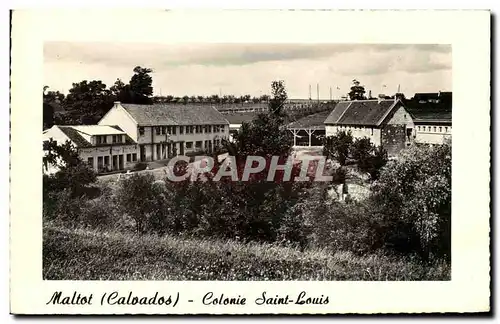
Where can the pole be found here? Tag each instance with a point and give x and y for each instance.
(317, 90)
(330, 93)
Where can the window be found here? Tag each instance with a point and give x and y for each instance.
(169, 130)
(173, 129)
(440, 129)
(117, 138)
(134, 157)
(216, 128)
(158, 130)
(198, 144)
(99, 161)
(101, 139)
(141, 131)
(446, 129)
(372, 130)
(90, 161)
(129, 157)
(181, 129)
(189, 145)
(434, 128)
(222, 128)
(106, 160)
(209, 128)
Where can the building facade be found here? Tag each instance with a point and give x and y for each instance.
(385, 122)
(103, 148)
(162, 131)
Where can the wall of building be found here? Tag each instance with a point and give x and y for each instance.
(393, 138)
(157, 146)
(432, 133)
(401, 117)
(55, 134)
(357, 132)
(120, 117)
(107, 153)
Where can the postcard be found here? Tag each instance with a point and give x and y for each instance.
(250, 162)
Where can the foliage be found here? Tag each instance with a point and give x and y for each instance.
(369, 158)
(141, 85)
(73, 174)
(413, 197)
(87, 102)
(357, 91)
(338, 146)
(144, 200)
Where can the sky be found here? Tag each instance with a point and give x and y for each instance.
(249, 68)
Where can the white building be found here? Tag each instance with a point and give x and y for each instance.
(104, 148)
(433, 128)
(162, 131)
(385, 122)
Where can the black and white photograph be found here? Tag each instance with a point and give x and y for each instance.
(115, 126)
(254, 172)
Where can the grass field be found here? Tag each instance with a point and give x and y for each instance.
(81, 254)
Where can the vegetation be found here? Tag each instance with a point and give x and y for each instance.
(145, 228)
(117, 256)
(357, 91)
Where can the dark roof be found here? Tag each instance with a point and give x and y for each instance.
(360, 112)
(316, 121)
(240, 117)
(165, 114)
(421, 115)
(75, 136)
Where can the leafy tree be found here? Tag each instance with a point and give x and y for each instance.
(338, 146)
(87, 102)
(201, 98)
(185, 99)
(51, 101)
(357, 91)
(141, 85)
(277, 103)
(73, 174)
(413, 199)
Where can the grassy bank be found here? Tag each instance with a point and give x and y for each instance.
(92, 255)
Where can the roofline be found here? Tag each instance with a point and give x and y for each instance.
(389, 111)
(119, 104)
(343, 113)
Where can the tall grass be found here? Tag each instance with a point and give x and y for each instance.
(82, 254)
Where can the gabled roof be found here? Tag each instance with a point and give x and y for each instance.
(73, 133)
(361, 112)
(98, 130)
(75, 136)
(429, 116)
(314, 121)
(164, 114)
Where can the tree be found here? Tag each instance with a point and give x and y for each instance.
(141, 85)
(73, 174)
(357, 91)
(185, 99)
(201, 98)
(52, 100)
(338, 146)
(277, 103)
(413, 197)
(87, 102)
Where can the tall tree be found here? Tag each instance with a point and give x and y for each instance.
(357, 91)
(141, 85)
(52, 101)
(87, 101)
(277, 103)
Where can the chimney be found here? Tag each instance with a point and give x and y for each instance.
(369, 94)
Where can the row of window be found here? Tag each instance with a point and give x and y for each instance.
(104, 160)
(196, 129)
(351, 128)
(103, 139)
(435, 129)
(197, 144)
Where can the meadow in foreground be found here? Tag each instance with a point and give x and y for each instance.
(83, 254)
